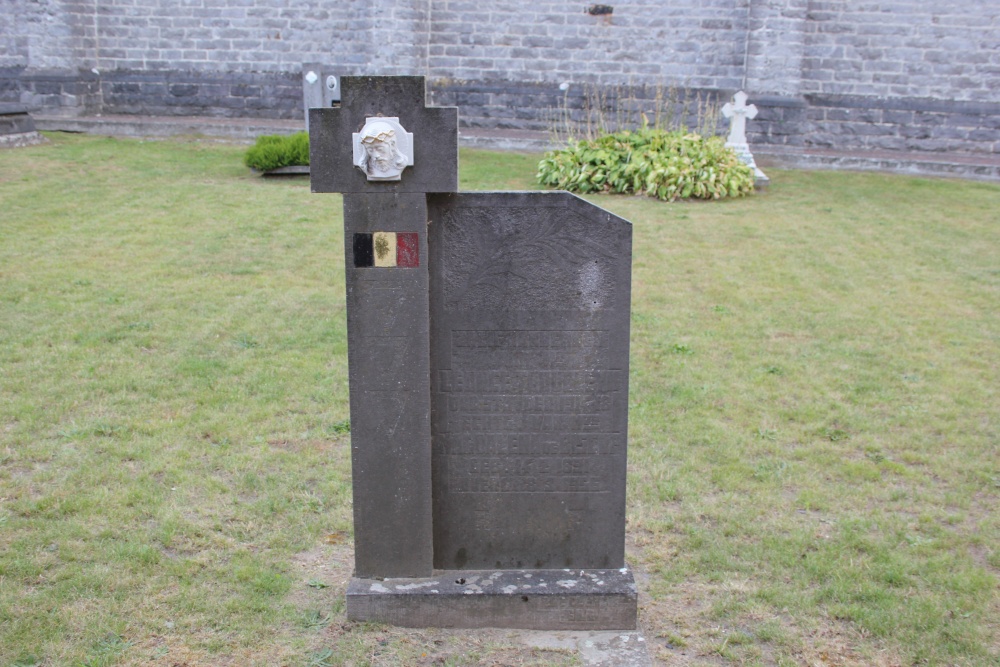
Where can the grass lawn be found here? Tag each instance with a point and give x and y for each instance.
(814, 429)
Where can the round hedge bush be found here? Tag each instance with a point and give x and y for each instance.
(666, 165)
(274, 151)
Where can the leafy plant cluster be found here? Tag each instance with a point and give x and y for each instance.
(274, 151)
(658, 163)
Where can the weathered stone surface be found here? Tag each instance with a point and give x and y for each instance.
(519, 463)
(17, 127)
(387, 331)
(599, 599)
(385, 242)
(312, 89)
(21, 140)
(15, 120)
(529, 380)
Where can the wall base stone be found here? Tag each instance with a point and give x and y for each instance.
(842, 122)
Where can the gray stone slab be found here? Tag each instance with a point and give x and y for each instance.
(312, 88)
(16, 121)
(597, 599)
(320, 87)
(292, 170)
(530, 297)
(387, 330)
(435, 137)
(9, 109)
(21, 140)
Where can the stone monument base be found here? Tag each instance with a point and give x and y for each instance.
(17, 128)
(522, 599)
(21, 140)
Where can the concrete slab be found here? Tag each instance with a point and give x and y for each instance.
(21, 140)
(17, 127)
(595, 649)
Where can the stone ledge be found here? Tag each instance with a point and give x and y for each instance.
(241, 129)
(523, 599)
(294, 170)
(973, 167)
(920, 163)
(16, 120)
(525, 141)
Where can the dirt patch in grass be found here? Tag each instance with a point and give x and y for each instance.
(687, 635)
(322, 575)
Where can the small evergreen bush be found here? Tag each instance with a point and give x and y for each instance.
(666, 165)
(275, 151)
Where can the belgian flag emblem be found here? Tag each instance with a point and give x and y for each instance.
(387, 250)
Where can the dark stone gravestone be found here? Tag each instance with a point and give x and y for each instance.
(17, 127)
(320, 87)
(488, 342)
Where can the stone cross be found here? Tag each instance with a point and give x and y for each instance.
(385, 223)
(488, 364)
(738, 113)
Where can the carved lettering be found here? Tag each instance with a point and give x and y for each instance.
(529, 381)
(542, 424)
(530, 444)
(543, 340)
(504, 381)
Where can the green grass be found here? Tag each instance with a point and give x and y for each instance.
(814, 466)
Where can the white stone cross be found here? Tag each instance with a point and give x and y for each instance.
(739, 113)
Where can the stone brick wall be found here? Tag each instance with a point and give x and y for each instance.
(232, 94)
(904, 48)
(686, 42)
(899, 74)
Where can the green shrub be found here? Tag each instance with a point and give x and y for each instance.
(276, 151)
(658, 163)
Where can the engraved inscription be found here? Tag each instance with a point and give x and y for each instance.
(500, 349)
(526, 404)
(484, 474)
(529, 444)
(526, 259)
(529, 381)
(516, 431)
(538, 424)
(492, 339)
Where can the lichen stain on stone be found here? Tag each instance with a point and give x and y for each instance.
(381, 247)
(384, 249)
(416, 585)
